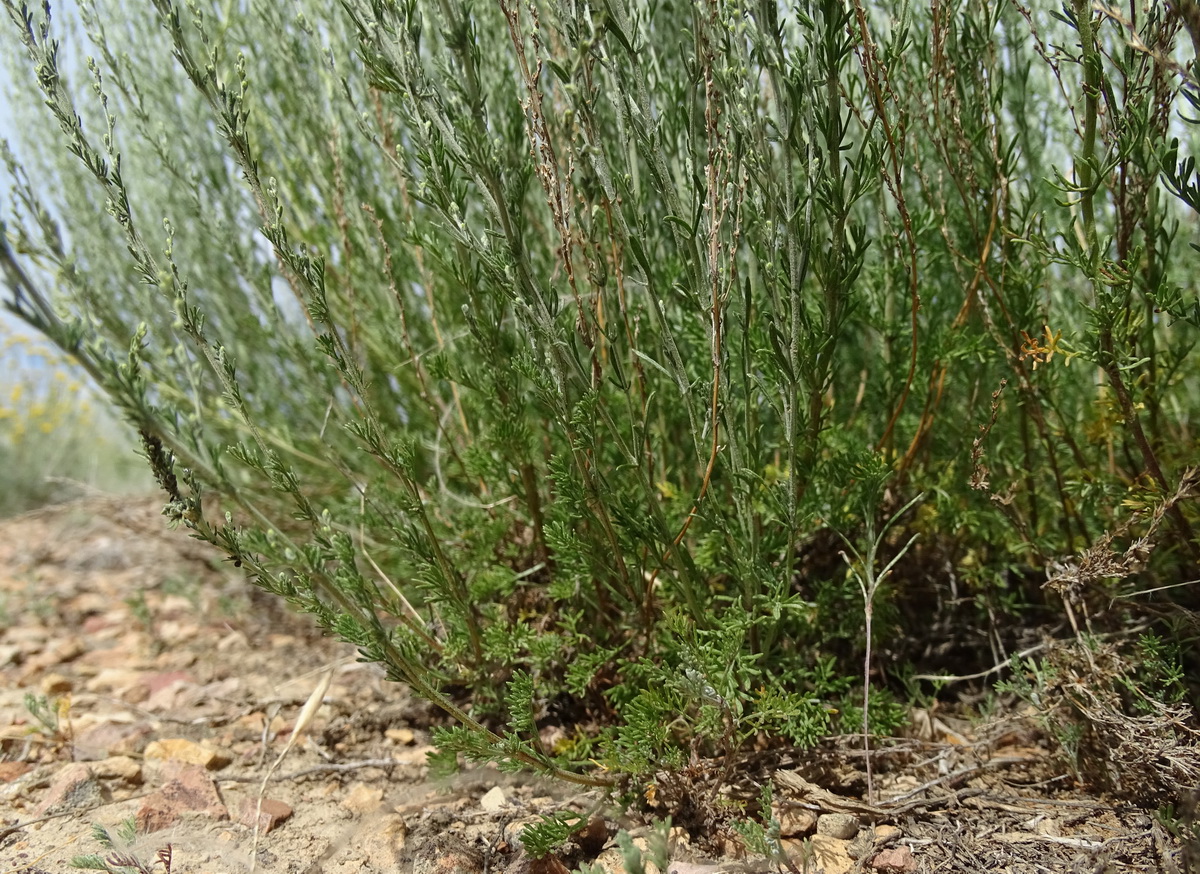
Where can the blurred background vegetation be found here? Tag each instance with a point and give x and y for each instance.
(59, 437)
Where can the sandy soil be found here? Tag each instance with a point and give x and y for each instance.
(140, 681)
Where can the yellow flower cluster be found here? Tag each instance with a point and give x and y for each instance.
(44, 393)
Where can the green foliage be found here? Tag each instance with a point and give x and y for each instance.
(118, 859)
(543, 838)
(46, 711)
(634, 858)
(761, 834)
(553, 354)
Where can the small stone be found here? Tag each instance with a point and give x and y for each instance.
(96, 624)
(828, 854)
(895, 860)
(413, 755)
(30, 638)
(112, 739)
(493, 800)
(189, 790)
(842, 826)
(118, 768)
(175, 660)
(795, 822)
(58, 653)
(117, 681)
(363, 798)
(166, 693)
(384, 842)
(183, 750)
(75, 786)
(57, 684)
(67, 650)
(403, 736)
(885, 833)
(272, 813)
(10, 771)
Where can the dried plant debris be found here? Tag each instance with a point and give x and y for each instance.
(1120, 725)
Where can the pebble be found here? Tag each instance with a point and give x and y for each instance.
(10, 771)
(382, 842)
(9, 654)
(363, 798)
(895, 860)
(57, 684)
(831, 855)
(73, 787)
(795, 822)
(843, 826)
(121, 768)
(183, 750)
(112, 739)
(189, 789)
(493, 800)
(402, 736)
(270, 816)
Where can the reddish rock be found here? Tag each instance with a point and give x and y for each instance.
(75, 786)
(156, 682)
(10, 771)
(896, 860)
(112, 739)
(547, 865)
(97, 623)
(273, 813)
(167, 689)
(189, 790)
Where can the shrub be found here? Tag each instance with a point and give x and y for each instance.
(553, 353)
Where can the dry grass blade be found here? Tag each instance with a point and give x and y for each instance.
(302, 722)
